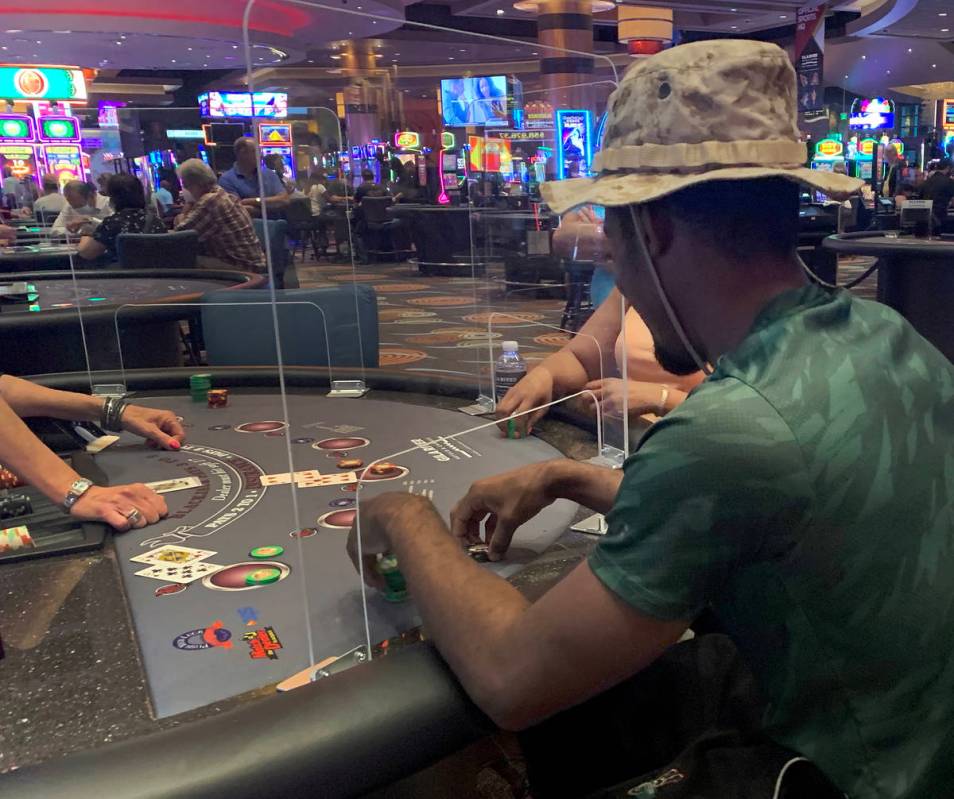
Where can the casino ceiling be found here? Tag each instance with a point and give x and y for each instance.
(152, 50)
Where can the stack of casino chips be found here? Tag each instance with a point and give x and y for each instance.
(199, 386)
(8, 479)
(14, 538)
(218, 397)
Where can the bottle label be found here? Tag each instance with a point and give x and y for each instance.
(506, 380)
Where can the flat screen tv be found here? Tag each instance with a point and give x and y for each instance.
(480, 102)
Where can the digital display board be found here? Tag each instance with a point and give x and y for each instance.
(16, 128)
(872, 113)
(65, 161)
(221, 105)
(829, 149)
(574, 143)
(42, 83)
(21, 158)
(275, 135)
(59, 129)
(947, 118)
(407, 140)
(475, 101)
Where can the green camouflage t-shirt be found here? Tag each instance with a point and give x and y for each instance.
(805, 492)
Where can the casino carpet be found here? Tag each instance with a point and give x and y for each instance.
(441, 325)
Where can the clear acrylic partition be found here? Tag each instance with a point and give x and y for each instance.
(460, 257)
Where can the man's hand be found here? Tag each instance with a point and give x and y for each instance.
(160, 428)
(535, 389)
(642, 397)
(74, 225)
(381, 516)
(113, 505)
(505, 501)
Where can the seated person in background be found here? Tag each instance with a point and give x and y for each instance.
(580, 364)
(130, 215)
(405, 188)
(242, 180)
(317, 192)
(337, 190)
(277, 164)
(802, 493)
(83, 205)
(368, 187)
(226, 236)
(939, 188)
(51, 202)
(101, 181)
(123, 506)
(7, 234)
(905, 192)
(163, 196)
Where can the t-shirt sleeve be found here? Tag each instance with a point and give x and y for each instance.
(713, 487)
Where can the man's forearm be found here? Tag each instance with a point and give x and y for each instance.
(470, 612)
(588, 485)
(28, 399)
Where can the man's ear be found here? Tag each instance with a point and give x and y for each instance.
(657, 229)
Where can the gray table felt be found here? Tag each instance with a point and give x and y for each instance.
(318, 610)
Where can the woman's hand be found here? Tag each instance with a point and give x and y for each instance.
(160, 428)
(639, 398)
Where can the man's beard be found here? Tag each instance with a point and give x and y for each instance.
(675, 360)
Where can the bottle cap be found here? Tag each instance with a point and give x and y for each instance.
(511, 346)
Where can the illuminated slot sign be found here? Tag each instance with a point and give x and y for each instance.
(867, 148)
(829, 149)
(59, 129)
(42, 83)
(275, 135)
(521, 135)
(221, 105)
(575, 143)
(872, 113)
(20, 158)
(448, 140)
(16, 128)
(947, 118)
(407, 140)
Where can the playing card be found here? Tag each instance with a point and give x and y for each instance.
(284, 478)
(174, 484)
(179, 573)
(328, 480)
(172, 555)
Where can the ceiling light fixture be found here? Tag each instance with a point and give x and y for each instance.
(944, 30)
(336, 57)
(500, 12)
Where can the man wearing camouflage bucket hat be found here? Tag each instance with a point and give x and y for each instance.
(803, 493)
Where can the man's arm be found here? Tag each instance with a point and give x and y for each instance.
(519, 662)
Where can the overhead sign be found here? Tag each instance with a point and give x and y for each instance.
(521, 135)
(407, 139)
(810, 57)
(872, 113)
(537, 114)
(16, 128)
(42, 83)
(221, 105)
(59, 129)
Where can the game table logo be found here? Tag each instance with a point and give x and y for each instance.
(263, 643)
(204, 638)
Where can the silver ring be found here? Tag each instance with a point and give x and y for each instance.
(132, 516)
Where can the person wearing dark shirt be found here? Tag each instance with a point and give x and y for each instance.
(939, 188)
(368, 187)
(131, 216)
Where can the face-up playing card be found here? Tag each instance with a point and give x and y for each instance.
(175, 484)
(284, 478)
(179, 573)
(171, 555)
(328, 480)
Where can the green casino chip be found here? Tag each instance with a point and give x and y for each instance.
(263, 576)
(266, 552)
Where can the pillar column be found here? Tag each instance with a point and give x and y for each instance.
(566, 24)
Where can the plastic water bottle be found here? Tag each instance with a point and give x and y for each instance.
(509, 369)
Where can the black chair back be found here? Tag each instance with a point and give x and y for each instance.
(177, 250)
(298, 212)
(375, 209)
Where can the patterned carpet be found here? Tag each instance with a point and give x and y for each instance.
(442, 325)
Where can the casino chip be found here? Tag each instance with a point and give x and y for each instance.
(266, 552)
(350, 463)
(263, 577)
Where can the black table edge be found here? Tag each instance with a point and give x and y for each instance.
(876, 244)
(343, 736)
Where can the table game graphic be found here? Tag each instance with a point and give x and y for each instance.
(225, 591)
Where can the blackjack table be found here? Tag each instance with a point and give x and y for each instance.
(71, 320)
(36, 254)
(148, 662)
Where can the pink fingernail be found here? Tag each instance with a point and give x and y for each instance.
(174, 444)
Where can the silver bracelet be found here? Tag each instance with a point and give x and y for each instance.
(111, 418)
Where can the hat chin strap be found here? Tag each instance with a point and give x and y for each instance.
(670, 311)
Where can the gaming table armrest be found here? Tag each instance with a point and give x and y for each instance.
(342, 736)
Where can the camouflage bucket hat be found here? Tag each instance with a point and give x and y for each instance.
(719, 110)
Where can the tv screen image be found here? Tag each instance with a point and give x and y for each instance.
(475, 101)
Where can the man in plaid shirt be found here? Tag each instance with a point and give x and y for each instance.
(226, 236)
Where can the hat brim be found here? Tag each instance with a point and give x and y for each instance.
(627, 188)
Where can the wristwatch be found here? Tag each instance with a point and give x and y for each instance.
(77, 490)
